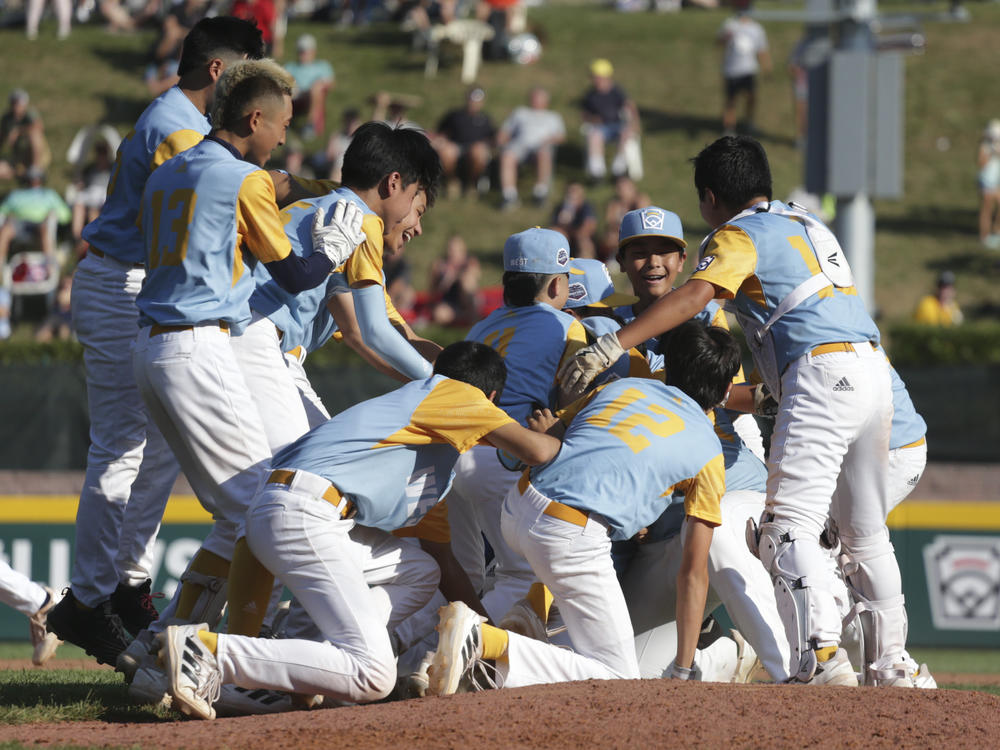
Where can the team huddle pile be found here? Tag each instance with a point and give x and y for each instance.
(618, 483)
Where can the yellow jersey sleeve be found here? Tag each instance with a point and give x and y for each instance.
(569, 412)
(638, 365)
(365, 265)
(316, 187)
(703, 492)
(576, 339)
(453, 412)
(175, 143)
(258, 222)
(433, 527)
(728, 261)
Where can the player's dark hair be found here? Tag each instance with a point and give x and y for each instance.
(473, 363)
(520, 288)
(222, 36)
(378, 149)
(735, 169)
(701, 361)
(243, 96)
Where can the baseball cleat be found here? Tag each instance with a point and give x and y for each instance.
(45, 643)
(415, 684)
(837, 670)
(748, 666)
(134, 605)
(460, 646)
(137, 654)
(192, 671)
(921, 675)
(98, 630)
(237, 701)
(523, 620)
(150, 686)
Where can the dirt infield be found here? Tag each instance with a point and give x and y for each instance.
(648, 713)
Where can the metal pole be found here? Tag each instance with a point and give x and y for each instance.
(855, 228)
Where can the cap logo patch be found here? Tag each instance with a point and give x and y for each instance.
(652, 219)
(704, 263)
(577, 291)
(562, 256)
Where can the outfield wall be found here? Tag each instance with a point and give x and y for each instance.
(949, 553)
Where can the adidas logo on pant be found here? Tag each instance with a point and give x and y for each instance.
(842, 385)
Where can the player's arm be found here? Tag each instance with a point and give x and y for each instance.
(455, 585)
(692, 589)
(428, 349)
(341, 307)
(289, 188)
(175, 143)
(529, 447)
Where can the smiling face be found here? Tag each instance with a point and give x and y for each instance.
(397, 201)
(395, 240)
(652, 265)
(271, 125)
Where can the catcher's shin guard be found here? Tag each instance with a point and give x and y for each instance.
(881, 623)
(799, 603)
(211, 601)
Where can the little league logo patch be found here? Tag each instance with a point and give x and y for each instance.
(652, 219)
(704, 263)
(963, 582)
(562, 256)
(577, 291)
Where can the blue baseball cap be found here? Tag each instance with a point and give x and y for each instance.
(590, 285)
(536, 250)
(651, 221)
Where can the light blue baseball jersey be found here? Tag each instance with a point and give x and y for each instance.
(629, 445)
(744, 471)
(169, 125)
(757, 260)
(193, 231)
(393, 456)
(907, 424)
(533, 342)
(294, 314)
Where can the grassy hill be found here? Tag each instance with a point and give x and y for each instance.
(668, 64)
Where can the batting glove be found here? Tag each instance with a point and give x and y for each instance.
(587, 364)
(338, 239)
(683, 673)
(764, 404)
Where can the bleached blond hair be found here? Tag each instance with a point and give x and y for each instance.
(244, 83)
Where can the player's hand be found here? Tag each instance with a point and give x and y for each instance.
(338, 239)
(764, 403)
(541, 420)
(680, 673)
(587, 364)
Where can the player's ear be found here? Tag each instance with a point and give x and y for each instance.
(254, 119)
(215, 67)
(391, 184)
(492, 397)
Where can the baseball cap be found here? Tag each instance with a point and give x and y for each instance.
(536, 250)
(306, 42)
(992, 129)
(590, 285)
(601, 67)
(18, 95)
(477, 95)
(651, 221)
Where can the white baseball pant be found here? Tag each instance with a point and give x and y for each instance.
(19, 591)
(475, 503)
(574, 562)
(130, 468)
(352, 582)
(195, 391)
(316, 411)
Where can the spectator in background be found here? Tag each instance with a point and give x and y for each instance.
(454, 285)
(529, 132)
(64, 14)
(88, 190)
(22, 138)
(989, 186)
(333, 158)
(269, 16)
(313, 80)
(627, 197)
(575, 218)
(505, 17)
(609, 116)
(940, 308)
(59, 323)
(161, 73)
(392, 108)
(746, 54)
(398, 273)
(30, 211)
(464, 143)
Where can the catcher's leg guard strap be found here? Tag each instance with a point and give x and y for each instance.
(204, 588)
(805, 609)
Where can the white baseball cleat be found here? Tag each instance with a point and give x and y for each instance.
(150, 686)
(835, 671)
(921, 676)
(460, 646)
(192, 671)
(748, 666)
(523, 620)
(45, 643)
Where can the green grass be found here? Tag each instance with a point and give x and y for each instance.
(669, 66)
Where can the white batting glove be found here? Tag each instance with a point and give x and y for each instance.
(587, 364)
(338, 239)
(682, 673)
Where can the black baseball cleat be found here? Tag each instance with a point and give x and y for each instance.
(98, 631)
(134, 605)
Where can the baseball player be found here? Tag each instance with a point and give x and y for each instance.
(815, 348)
(628, 445)
(381, 464)
(34, 601)
(533, 335)
(207, 215)
(130, 470)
